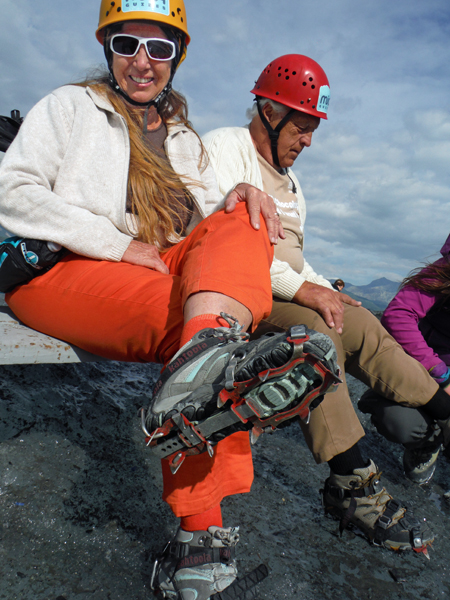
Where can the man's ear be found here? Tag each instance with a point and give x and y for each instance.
(268, 112)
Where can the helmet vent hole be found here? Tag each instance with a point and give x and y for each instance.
(313, 87)
(287, 77)
(279, 68)
(279, 74)
(107, 12)
(173, 14)
(310, 78)
(301, 102)
(314, 106)
(118, 9)
(286, 70)
(278, 93)
(178, 10)
(304, 83)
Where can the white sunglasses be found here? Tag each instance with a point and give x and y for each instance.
(125, 44)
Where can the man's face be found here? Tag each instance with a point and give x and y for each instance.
(294, 136)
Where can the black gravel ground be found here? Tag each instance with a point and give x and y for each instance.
(81, 514)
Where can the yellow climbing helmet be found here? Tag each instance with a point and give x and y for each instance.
(167, 12)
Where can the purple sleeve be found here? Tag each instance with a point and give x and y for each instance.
(401, 319)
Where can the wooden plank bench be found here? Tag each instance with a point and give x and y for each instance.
(21, 345)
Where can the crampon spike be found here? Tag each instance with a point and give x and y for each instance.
(210, 449)
(423, 550)
(175, 461)
(254, 434)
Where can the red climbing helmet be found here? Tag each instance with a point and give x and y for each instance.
(295, 81)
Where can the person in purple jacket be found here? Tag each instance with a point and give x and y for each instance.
(418, 317)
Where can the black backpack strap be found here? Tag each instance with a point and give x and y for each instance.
(9, 126)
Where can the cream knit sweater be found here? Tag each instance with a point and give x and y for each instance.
(234, 159)
(64, 178)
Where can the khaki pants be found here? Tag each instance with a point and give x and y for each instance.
(366, 351)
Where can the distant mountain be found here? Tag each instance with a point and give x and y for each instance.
(376, 295)
(381, 291)
(375, 307)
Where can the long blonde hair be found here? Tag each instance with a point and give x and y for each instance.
(153, 186)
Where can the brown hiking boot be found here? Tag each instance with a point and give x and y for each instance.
(360, 500)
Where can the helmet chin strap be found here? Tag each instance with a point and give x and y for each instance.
(274, 134)
(154, 102)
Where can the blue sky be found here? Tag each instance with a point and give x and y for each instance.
(377, 176)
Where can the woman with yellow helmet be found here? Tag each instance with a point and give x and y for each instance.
(170, 18)
(111, 170)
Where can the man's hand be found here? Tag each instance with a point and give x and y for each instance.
(258, 202)
(328, 303)
(144, 255)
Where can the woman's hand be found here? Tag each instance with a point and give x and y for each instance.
(258, 203)
(144, 255)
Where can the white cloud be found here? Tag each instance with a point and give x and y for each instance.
(384, 203)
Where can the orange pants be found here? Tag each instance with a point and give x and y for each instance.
(131, 313)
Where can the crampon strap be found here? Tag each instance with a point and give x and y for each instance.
(372, 488)
(185, 438)
(385, 520)
(244, 588)
(192, 556)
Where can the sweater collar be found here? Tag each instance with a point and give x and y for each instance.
(99, 100)
(173, 128)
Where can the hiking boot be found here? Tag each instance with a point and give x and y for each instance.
(197, 565)
(360, 500)
(219, 383)
(420, 463)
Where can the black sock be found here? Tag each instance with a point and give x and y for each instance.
(346, 462)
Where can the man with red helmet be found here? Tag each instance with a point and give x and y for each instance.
(292, 96)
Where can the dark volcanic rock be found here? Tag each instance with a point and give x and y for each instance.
(81, 511)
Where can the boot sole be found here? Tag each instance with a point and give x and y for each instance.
(253, 404)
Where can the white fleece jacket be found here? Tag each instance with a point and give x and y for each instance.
(64, 178)
(234, 159)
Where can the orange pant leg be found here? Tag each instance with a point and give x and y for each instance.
(126, 312)
(202, 482)
(225, 254)
(116, 310)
